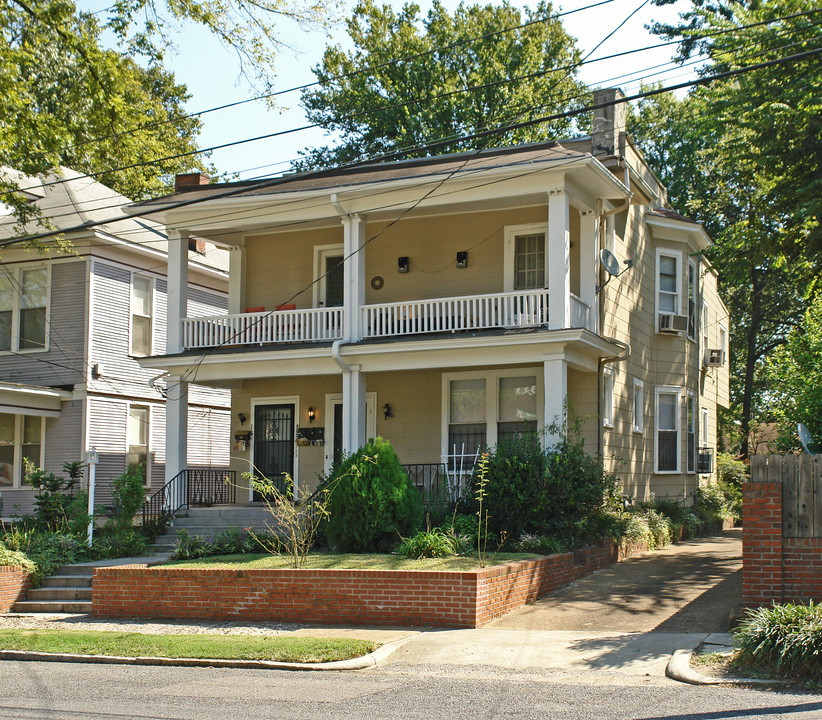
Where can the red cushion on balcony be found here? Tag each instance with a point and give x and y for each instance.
(287, 306)
(254, 309)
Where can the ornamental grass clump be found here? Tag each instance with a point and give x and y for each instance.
(429, 544)
(785, 639)
(373, 502)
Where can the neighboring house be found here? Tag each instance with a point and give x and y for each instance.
(72, 327)
(445, 302)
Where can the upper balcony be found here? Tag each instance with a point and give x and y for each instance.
(288, 326)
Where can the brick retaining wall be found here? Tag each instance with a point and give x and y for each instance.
(336, 597)
(775, 568)
(14, 583)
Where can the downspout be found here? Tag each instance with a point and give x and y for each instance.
(335, 355)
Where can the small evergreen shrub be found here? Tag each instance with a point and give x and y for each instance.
(429, 544)
(372, 502)
(539, 544)
(129, 496)
(786, 639)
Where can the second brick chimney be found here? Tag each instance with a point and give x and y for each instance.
(190, 179)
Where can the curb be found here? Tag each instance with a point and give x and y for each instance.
(365, 662)
(679, 669)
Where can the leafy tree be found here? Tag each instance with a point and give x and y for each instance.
(743, 155)
(795, 374)
(379, 105)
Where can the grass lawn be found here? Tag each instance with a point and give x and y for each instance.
(322, 561)
(223, 647)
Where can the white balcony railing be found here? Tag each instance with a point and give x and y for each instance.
(262, 328)
(472, 312)
(580, 313)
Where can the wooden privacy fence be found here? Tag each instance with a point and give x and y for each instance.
(801, 478)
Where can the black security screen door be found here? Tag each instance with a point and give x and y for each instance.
(274, 443)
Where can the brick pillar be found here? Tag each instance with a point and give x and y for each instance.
(762, 532)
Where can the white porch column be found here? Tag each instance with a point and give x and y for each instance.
(176, 426)
(588, 264)
(354, 276)
(559, 259)
(236, 280)
(555, 369)
(354, 411)
(177, 290)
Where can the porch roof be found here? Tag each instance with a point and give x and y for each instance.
(19, 399)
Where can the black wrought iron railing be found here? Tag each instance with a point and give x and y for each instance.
(192, 486)
(437, 484)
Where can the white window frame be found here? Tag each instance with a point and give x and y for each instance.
(149, 413)
(690, 401)
(332, 399)
(510, 234)
(677, 256)
(638, 407)
(608, 405)
(492, 378)
(703, 427)
(17, 461)
(723, 340)
(152, 288)
(321, 252)
(668, 390)
(16, 274)
(693, 266)
(704, 322)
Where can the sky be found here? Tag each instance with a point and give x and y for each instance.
(211, 73)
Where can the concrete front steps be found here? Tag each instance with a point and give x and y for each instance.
(69, 591)
(209, 521)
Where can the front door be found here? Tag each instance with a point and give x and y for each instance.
(274, 444)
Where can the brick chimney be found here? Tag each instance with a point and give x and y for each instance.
(190, 180)
(608, 132)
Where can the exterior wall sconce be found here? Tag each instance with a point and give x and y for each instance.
(241, 418)
(311, 414)
(386, 410)
(462, 259)
(402, 264)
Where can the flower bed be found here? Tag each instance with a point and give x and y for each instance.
(342, 597)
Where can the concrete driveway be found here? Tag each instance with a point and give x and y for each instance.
(690, 587)
(626, 620)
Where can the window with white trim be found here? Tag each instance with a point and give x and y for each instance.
(21, 439)
(703, 428)
(693, 292)
(638, 407)
(705, 340)
(526, 258)
(668, 283)
(690, 429)
(137, 432)
(483, 408)
(24, 300)
(666, 430)
(608, 397)
(141, 315)
(723, 340)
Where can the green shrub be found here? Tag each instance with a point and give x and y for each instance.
(714, 503)
(539, 544)
(786, 639)
(372, 502)
(57, 506)
(129, 496)
(116, 543)
(47, 550)
(15, 557)
(464, 529)
(731, 471)
(429, 544)
(190, 547)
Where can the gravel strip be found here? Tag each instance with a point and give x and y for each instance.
(169, 627)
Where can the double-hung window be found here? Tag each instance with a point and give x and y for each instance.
(24, 296)
(141, 315)
(693, 292)
(137, 431)
(668, 283)
(667, 442)
(21, 439)
(526, 262)
(690, 426)
(483, 408)
(638, 420)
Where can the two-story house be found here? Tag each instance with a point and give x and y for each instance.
(445, 302)
(73, 325)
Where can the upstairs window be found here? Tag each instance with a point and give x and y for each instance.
(526, 259)
(693, 282)
(668, 283)
(141, 314)
(24, 298)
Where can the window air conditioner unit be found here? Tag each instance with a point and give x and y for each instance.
(714, 357)
(670, 323)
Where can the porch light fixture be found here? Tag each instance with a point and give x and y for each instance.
(241, 418)
(462, 259)
(386, 410)
(402, 264)
(311, 414)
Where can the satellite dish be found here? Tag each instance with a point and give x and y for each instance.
(609, 261)
(805, 438)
